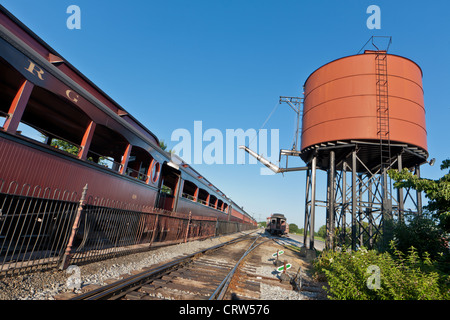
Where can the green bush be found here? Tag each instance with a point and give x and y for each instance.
(401, 277)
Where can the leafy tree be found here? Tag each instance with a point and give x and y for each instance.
(62, 145)
(322, 232)
(65, 146)
(162, 144)
(421, 232)
(293, 228)
(166, 189)
(437, 192)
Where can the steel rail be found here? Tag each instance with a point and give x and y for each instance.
(222, 288)
(119, 288)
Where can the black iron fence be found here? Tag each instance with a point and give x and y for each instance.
(225, 227)
(34, 225)
(43, 228)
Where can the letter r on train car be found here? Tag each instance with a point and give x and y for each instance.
(34, 69)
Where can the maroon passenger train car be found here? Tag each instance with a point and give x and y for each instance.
(82, 136)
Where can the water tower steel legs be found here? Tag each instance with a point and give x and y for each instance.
(331, 192)
(419, 194)
(401, 208)
(310, 204)
(360, 205)
(307, 204)
(353, 212)
(313, 202)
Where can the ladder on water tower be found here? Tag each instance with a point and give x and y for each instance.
(383, 109)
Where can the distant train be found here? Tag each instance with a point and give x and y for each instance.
(277, 225)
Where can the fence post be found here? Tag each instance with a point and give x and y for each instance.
(155, 225)
(216, 231)
(76, 223)
(187, 228)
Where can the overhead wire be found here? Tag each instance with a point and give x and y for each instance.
(265, 122)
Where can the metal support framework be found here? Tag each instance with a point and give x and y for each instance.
(331, 191)
(296, 104)
(310, 204)
(359, 203)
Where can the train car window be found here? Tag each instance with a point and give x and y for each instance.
(220, 205)
(107, 148)
(203, 197)
(139, 163)
(155, 171)
(60, 123)
(30, 132)
(212, 201)
(189, 190)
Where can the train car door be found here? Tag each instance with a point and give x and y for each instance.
(169, 184)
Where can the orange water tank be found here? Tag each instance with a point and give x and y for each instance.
(343, 97)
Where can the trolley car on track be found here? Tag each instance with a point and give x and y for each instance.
(277, 225)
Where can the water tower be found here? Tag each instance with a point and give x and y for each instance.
(362, 115)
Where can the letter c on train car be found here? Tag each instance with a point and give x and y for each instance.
(155, 171)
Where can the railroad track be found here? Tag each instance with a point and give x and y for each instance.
(205, 275)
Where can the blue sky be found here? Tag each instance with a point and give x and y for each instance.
(226, 62)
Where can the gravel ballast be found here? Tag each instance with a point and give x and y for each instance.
(45, 285)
